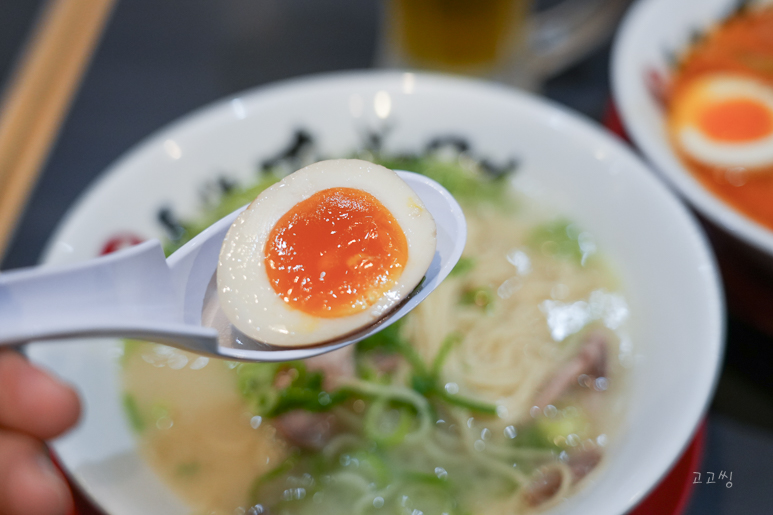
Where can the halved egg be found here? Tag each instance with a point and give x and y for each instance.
(725, 120)
(326, 251)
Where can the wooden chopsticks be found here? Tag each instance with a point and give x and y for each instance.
(37, 98)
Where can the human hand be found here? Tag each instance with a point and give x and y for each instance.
(33, 407)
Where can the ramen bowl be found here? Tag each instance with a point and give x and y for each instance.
(563, 161)
(653, 35)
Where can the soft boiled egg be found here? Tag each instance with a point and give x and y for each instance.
(725, 120)
(326, 251)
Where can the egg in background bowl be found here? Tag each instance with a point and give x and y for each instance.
(724, 120)
(720, 172)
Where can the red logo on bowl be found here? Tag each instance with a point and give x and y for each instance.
(120, 241)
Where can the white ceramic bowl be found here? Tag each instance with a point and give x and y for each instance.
(667, 269)
(652, 33)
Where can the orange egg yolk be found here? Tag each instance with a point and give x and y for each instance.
(736, 121)
(335, 253)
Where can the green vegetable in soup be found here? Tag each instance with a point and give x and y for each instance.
(132, 411)
(465, 179)
(561, 238)
(188, 469)
(482, 297)
(463, 266)
(272, 389)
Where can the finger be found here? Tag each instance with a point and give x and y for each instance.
(29, 484)
(32, 401)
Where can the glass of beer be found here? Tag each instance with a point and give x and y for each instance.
(496, 39)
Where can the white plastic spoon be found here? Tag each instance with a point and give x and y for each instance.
(137, 293)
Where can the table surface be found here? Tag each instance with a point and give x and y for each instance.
(159, 60)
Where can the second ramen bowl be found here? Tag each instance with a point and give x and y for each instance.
(651, 39)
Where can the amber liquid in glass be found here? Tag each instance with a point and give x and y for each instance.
(459, 34)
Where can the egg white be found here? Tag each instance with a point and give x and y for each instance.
(247, 297)
(704, 149)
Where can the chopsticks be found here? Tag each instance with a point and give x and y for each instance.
(37, 98)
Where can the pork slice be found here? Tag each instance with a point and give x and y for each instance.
(305, 429)
(337, 366)
(590, 360)
(582, 463)
(386, 363)
(543, 486)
